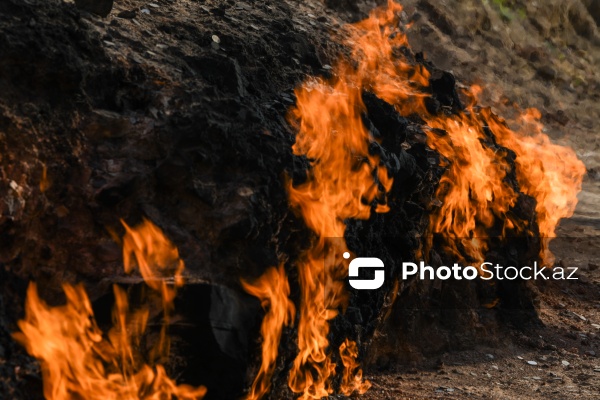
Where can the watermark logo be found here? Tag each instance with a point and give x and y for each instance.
(486, 271)
(372, 273)
(365, 262)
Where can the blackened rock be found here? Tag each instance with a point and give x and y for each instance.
(354, 315)
(407, 164)
(443, 86)
(384, 117)
(101, 124)
(432, 105)
(99, 7)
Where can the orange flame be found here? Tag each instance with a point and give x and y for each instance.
(473, 190)
(273, 290)
(352, 377)
(550, 173)
(156, 257)
(343, 182)
(79, 361)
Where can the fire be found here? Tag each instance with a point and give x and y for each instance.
(273, 290)
(158, 262)
(550, 173)
(474, 193)
(146, 247)
(352, 377)
(345, 181)
(79, 361)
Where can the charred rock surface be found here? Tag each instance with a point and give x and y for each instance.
(179, 116)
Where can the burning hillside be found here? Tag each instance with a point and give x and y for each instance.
(188, 186)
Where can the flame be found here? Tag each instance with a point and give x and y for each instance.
(155, 256)
(474, 192)
(352, 377)
(78, 360)
(343, 182)
(272, 289)
(157, 259)
(550, 173)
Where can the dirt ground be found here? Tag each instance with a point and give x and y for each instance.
(541, 54)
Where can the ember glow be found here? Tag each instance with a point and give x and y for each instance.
(79, 361)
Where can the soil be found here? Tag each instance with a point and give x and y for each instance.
(124, 97)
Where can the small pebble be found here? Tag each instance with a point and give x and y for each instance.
(581, 317)
(153, 5)
(216, 39)
(145, 11)
(565, 363)
(532, 363)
